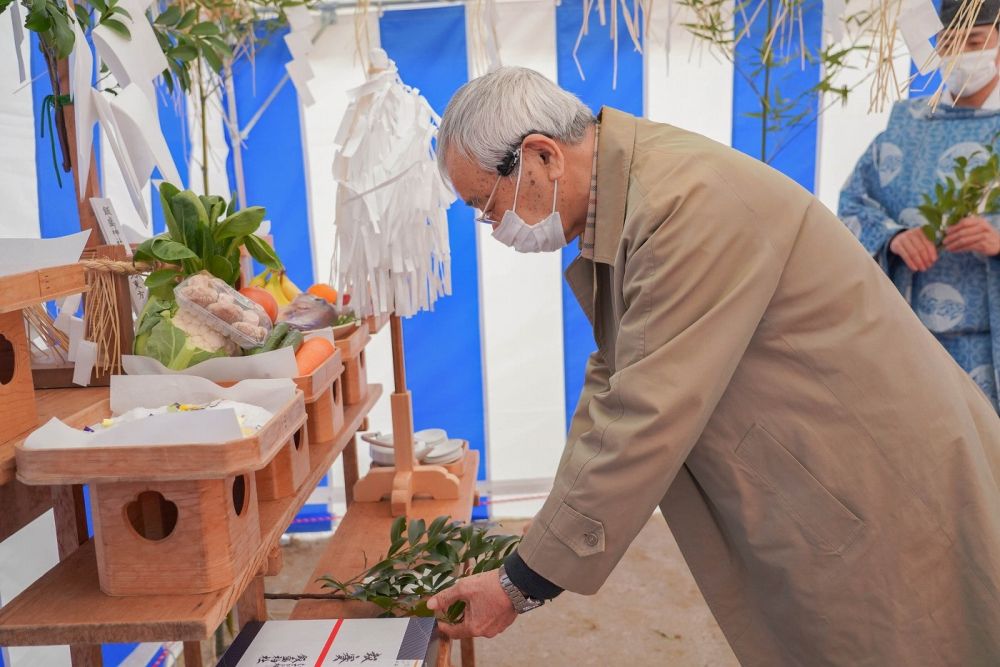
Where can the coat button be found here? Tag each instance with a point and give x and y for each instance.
(590, 539)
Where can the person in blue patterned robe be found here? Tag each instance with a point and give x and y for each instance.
(955, 287)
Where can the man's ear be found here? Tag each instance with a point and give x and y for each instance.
(549, 153)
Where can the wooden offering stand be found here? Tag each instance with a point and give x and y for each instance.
(406, 479)
(203, 496)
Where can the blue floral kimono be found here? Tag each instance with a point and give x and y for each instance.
(959, 297)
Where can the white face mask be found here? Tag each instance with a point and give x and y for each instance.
(546, 236)
(972, 71)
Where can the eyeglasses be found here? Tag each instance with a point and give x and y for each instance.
(482, 216)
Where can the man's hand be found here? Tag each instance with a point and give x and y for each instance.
(915, 249)
(973, 234)
(488, 610)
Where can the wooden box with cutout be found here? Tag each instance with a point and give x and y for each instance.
(352, 348)
(283, 476)
(17, 292)
(177, 518)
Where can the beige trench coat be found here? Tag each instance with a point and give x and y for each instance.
(830, 474)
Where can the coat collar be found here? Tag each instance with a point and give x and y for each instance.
(614, 160)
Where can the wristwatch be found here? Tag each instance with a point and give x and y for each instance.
(521, 602)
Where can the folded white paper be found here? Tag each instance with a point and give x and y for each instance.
(20, 255)
(266, 365)
(151, 391)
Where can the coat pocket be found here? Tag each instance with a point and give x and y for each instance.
(824, 521)
(585, 536)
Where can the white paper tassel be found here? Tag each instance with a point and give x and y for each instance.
(391, 239)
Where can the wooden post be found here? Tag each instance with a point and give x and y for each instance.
(252, 606)
(92, 189)
(406, 479)
(468, 652)
(351, 472)
(71, 531)
(444, 653)
(192, 654)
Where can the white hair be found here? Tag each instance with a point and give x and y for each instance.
(490, 115)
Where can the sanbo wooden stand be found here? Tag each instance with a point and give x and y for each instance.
(407, 479)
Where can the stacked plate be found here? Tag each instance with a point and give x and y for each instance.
(431, 446)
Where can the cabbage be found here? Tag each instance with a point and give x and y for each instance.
(176, 339)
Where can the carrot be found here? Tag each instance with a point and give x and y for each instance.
(312, 353)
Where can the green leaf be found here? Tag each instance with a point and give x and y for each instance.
(221, 268)
(398, 526)
(82, 15)
(241, 224)
(930, 233)
(64, 36)
(118, 27)
(214, 62)
(205, 28)
(100, 5)
(415, 531)
(167, 192)
(190, 16)
(262, 251)
(121, 10)
(184, 53)
(166, 250)
(191, 218)
(170, 16)
(456, 612)
(162, 277)
(37, 22)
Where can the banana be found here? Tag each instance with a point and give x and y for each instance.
(259, 279)
(290, 289)
(273, 285)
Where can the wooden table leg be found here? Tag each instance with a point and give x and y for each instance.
(192, 654)
(252, 606)
(468, 652)
(351, 473)
(71, 518)
(444, 653)
(70, 514)
(85, 655)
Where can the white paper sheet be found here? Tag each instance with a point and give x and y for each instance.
(114, 232)
(139, 131)
(275, 364)
(299, 18)
(22, 255)
(191, 428)
(85, 360)
(300, 74)
(110, 128)
(81, 83)
(299, 44)
(16, 24)
(138, 60)
(151, 391)
(67, 308)
(75, 334)
(195, 427)
(919, 22)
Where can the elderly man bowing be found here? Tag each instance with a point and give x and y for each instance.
(829, 472)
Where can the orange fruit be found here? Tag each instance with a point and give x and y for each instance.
(263, 299)
(324, 291)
